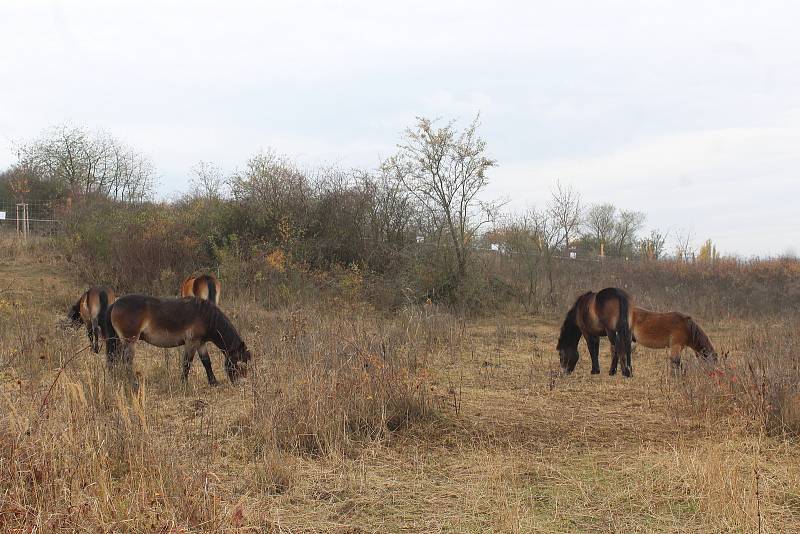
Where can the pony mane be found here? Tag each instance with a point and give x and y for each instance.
(570, 333)
(700, 341)
(221, 331)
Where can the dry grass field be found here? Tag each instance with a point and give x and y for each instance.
(354, 421)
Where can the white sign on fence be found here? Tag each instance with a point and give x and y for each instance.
(2, 215)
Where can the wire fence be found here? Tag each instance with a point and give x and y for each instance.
(572, 255)
(29, 218)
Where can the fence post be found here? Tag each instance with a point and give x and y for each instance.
(23, 220)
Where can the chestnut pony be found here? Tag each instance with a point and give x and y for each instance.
(674, 331)
(608, 312)
(172, 322)
(204, 286)
(89, 309)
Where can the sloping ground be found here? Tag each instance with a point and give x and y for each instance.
(516, 448)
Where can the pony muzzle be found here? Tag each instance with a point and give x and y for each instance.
(568, 359)
(236, 370)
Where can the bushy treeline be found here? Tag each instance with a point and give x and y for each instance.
(318, 221)
(280, 259)
(414, 229)
(279, 235)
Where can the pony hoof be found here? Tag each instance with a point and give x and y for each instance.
(612, 372)
(627, 373)
(213, 383)
(595, 371)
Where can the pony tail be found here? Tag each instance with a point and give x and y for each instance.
(104, 320)
(623, 325)
(103, 304)
(212, 290)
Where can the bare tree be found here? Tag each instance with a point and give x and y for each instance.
(391, 211)
(445, 170)
(208, 181)
(600, 223)
(518, 237)
(85, 163)
(627, 226)
(653, 246)
(684, 247)
(531, 239)
(275, 186)
(565, 211)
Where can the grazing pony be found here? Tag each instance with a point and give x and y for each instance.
(172, 322)
(204, 286)
(606, 313)
(89, 310)
(671, 330)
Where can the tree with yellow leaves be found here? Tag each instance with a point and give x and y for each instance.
(708, 252)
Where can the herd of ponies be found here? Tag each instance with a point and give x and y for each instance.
(194, 319)
(611, 313)
(191, 321)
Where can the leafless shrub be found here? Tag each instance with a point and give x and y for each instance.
(758, 383)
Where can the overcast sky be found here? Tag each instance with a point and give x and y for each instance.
(688, 111)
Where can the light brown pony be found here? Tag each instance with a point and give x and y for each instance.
(594, 315)
(89, 310)
(172, 322)
(204, 286)
(671, 330)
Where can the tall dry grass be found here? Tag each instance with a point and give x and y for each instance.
(756, 382)
(354, 419)
(80, 451)
(714, 290)
(329, 380)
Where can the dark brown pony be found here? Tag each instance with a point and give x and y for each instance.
(204, 286)
(89, 310)
(172, 322)
(674, 331)
(594, 315)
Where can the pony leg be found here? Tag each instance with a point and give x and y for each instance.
(629, 362)
(614, 356)
(188, 356)
(675, 356)
(121, 350)
(90, 333)
(203, 353)
(94, 335)
(593, 344)
(618, 346)
(127, 360)
(113, 348)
